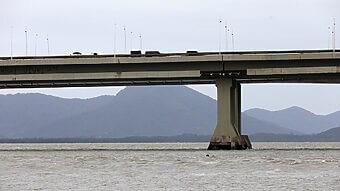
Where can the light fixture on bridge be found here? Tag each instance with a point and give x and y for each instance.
(219, 37)
(124, 29)
(35, 45)
(226, 36)
(232, 39)
(11, 42)
(140, 42)
(131, 39)
(26, 40)
(48, 45)
(330, 33)
(114, 40)
(333, 34)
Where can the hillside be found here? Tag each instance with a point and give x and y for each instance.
(140, 111)
(331, 135)
(252, 125)
(298, 119)
(134, 111)
(22, 113)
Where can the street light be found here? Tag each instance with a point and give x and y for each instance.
(219, 37)
(140, 41)
(48, 45)
(35, 44)
(329, 32)
(226, 37)
(26, 40)
(114, 40)
(333, 32)
(232, 39)
(124, 38)
(11, 42)
(131, 38)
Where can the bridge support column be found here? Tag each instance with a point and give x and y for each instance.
(227, 134)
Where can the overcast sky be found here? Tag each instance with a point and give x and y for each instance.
(177, 26)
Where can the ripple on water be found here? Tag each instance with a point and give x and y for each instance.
(169, 166)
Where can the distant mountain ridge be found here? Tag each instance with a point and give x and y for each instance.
(134, 111)
(21, 113)
(332, 135)
(253, 125)
(298, 119)
(140, 111)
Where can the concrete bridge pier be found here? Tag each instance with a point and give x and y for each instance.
(227, 135)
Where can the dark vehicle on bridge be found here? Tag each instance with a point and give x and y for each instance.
(76, 53)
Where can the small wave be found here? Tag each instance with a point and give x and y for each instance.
(295, 149)
(62, 150)
(156, 149)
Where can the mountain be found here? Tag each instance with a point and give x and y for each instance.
(252, 125)
(21, 113)
(134, 111)
(331, 135)
(140, 111)
(298, 119)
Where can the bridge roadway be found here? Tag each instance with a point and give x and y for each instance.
(228, 70)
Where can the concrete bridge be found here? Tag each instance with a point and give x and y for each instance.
(228, 70)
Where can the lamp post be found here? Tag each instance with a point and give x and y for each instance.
(114, 40)
(124, 29)
(26, 41)
(219, 37)
(48, 45)
(330, 33)
(333, 32)
(131, 39)
(35, 44)
(232, 39)
(226, 37)
(140, 42)
(11, 42)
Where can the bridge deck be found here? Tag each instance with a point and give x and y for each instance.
(317, 66)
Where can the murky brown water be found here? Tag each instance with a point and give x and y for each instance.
(171, 166)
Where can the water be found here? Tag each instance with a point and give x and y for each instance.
(169, 166)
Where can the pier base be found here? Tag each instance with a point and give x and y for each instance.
(230, 143)
(227, 134)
